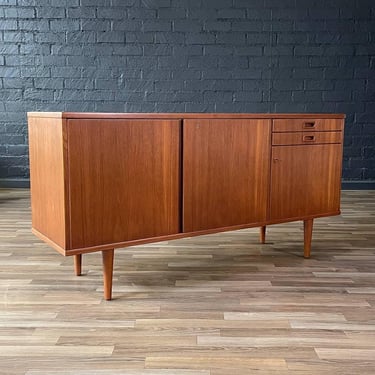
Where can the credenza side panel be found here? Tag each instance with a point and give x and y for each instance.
(124, 178)
(225, 172)
(47, 152)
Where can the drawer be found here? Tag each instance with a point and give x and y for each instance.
(306, 138)
(301, 124)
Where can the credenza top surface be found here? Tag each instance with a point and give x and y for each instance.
(93, 115)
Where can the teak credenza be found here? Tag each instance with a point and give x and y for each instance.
(100, 181)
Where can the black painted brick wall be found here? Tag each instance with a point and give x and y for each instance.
(188, 56)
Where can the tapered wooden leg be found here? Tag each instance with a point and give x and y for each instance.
(78, 264)
(262, 234)
(307, 230)
(107, 272)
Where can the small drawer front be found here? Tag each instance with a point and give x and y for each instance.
(306, 138)
(306, 125)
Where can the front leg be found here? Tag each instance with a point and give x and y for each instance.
(262, 234)
(107, 256)
(78, 264)
(307, 231)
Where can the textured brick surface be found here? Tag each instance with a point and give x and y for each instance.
(188, 55)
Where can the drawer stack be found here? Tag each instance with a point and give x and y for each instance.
(306, 131)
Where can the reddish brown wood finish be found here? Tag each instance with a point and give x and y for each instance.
(107, 256)
(124, 180)
(100, 181)
(179, 116)
(305, 138)
(225, 172)
(305, 180)
(307, 124)
(78, 264)
(47, 153)
(262, 234)
(307, 233)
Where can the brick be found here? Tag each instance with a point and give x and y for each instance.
(65, 72)
(38, 71)
(50, 60)
(10, 72)
(152, 4)
(50, 38)
(247, 74)
(200, 38)
(8, 49)
(100, 84)
(128, 25)
(18, 36)
(17, 83)
(257, 38)
(238, 62)
(257, 14)
(278, 50)
(308, 73)
(141, 14)
(111, 37)
(306, 96)
(247, 96)
(249, 51)
(337, 96)
(32, 25)
(129, 50)
(187, 25)
(97, 25)
(232, 13)
(218, 96)
(176, 61)
(48, 83)
(19, 12)
(211, 26)
(38, 94)
(231, 38)
(188, 50)
(157, 50)
(151, 37)
(164, 37)
(317, 84)
(169, 85)
(217, 50)
(50, 12)
(217, 4)
(63, 25)
(8, 24)
(172, 13)
(156, 25)
(84, 12)
(278, 26)
(287, 84)
(308, 50)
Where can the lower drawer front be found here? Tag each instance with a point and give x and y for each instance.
(305, 138)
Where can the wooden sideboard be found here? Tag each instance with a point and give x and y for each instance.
(100, 181)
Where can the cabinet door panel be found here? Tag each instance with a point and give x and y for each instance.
(124, 180)
(225, 172)
(305, 180)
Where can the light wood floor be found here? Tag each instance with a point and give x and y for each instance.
(214, 305)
